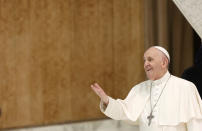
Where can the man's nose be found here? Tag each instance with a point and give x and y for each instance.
(145, 63)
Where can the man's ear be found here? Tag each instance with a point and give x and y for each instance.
(165, 62)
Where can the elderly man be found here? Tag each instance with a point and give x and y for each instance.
(162, 103)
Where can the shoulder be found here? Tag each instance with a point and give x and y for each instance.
(181, 83)
(139, 90)
(180, 80)
(141, 86)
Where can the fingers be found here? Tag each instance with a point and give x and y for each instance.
(97, 89)
(100, 92)
(94, 88)
(95, 85)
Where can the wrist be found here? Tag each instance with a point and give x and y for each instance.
(106, 100)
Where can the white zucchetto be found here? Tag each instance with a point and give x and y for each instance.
(165, 52)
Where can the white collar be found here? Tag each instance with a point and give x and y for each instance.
(162, 79)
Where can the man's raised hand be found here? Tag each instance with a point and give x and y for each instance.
(100, 92)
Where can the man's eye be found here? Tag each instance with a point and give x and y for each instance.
(149, 59)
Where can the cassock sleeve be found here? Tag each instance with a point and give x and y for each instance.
(118, 109)
(113, 110)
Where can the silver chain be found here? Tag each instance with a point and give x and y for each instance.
(159, 95)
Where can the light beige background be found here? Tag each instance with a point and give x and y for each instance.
(52, 50)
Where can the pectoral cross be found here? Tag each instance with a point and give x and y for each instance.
(150, 117)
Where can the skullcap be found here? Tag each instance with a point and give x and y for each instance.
(165, 52)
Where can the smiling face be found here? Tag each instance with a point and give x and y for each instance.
(155, 63)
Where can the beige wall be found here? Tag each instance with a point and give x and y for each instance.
(52, 50)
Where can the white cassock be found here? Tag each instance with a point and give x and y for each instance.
(178, 109)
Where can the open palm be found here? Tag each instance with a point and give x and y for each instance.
(100, 92)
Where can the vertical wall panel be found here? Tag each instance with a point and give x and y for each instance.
(51, 51)
(122, 40)
(128, 45)
(51, 40)
(85, 56)
(14, 38)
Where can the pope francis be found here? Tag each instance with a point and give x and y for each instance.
(162, 103)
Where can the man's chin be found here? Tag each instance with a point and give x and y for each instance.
(149, 76)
